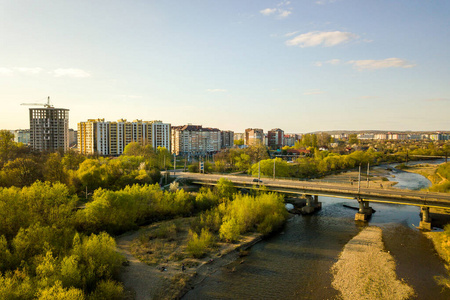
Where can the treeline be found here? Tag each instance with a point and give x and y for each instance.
(19, 166)
(317, 163)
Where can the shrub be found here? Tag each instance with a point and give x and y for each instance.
(198, 246)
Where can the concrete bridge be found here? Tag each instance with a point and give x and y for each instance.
(311, 191)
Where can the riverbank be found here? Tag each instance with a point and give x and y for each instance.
(154, 269)
(378, 177)
(441, 242)
(365, 271)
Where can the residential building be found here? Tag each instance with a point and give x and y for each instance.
(239, 136)
(195, 140)
(49, 129)
(253, 136)
(227, 139)
(97, 136)
(21, 136)
(275, 138)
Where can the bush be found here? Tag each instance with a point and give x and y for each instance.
(198, 246)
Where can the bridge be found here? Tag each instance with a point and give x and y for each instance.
(311, 190)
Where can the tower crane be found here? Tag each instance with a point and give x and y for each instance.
(47, 105)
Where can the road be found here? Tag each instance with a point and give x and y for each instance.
(406, 197)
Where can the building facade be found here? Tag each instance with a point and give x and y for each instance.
(97, 136)
(49, 129)
(275, 138)
(21, 136)
(195, 140)
(227, 139)
(253, 136)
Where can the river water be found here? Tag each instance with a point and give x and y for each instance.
(295, 264)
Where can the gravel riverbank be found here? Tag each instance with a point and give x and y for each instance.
(365, 271)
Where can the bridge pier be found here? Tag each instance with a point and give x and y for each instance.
(425, 222)
(364, 212)
(312, 204)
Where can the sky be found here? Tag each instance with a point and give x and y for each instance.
(302, 66)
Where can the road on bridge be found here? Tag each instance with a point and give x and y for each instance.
(406, 197)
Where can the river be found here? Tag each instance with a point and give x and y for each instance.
(295, 264)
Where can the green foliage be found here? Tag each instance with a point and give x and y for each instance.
(444, 170)
(225, 189)
(42, 203)
(108, 290)
(16, 285)
(282, 168)
(205, 199)
(119, 211)
(5, 255)
(20, 172)
(57, 292)
(230, 231)
(7, 146)
(238, 142)
(198, 246)
(263, 213)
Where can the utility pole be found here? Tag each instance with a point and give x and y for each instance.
(174, 163)
(274, 169)
(359, 179)
(259, 170)
(368, 166)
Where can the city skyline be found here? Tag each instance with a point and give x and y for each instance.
(302, 66)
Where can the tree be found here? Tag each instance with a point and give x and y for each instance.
(7, 146)
(239, 142)
(21, 172)
(353, 139)
(225, 188)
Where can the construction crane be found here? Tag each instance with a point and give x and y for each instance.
(47, 105)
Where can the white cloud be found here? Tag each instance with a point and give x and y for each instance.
(268, 11)
(5, 72)
(314, 92)
(76, 73)
(322, 2)
(282, 13)
(216, 90)
(334, 62)
(291, 33)
(29, 70)
(316, 38)
(372, 64)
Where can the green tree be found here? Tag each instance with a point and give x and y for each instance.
(225, 189)
(21, 172)
(7, 146)
(353, 139)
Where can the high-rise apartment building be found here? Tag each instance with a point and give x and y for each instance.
(253, 136)
(49, 129)
(110, 138)
(275, 138)
(195, 140)
(227, 139)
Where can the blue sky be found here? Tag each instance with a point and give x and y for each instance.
(301, 66)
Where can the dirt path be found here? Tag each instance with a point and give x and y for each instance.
(141, 279)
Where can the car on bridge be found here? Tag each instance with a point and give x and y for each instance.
(257, 180)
